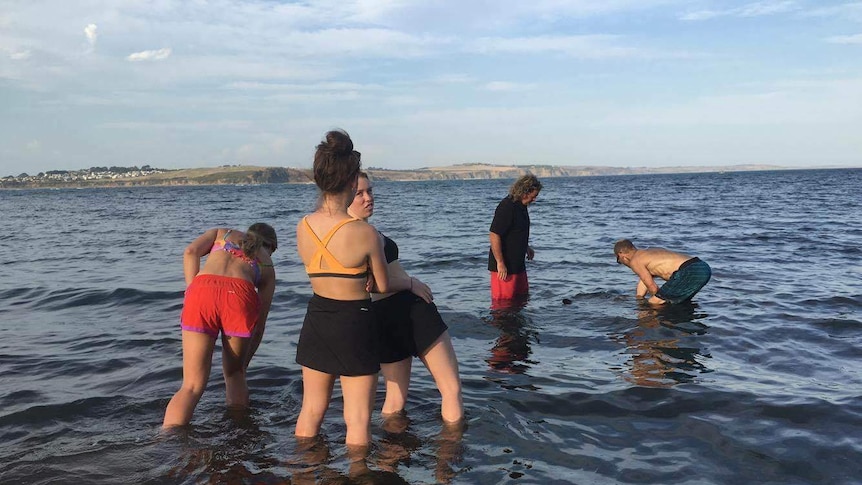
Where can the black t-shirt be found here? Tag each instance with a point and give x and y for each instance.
(512, 223)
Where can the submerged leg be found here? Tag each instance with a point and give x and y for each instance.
(197, 361)
(316, 393)
(441, 362)
(397, 378)
(358, 405)
(234, 356)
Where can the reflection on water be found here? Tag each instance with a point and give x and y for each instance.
(661, 347)
(307, 462)
(236, 459)
(511, 350)
(399, 444)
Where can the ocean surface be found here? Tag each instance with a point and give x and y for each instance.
(758, 381)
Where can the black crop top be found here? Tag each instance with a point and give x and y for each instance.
(390, 249)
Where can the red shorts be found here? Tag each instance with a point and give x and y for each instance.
(216, 303)
(512, 286)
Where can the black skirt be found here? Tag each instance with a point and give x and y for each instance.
(407, 326)
(339, 337)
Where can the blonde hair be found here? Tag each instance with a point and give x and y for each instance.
(523, 186)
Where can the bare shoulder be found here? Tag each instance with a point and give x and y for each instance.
(364, 229)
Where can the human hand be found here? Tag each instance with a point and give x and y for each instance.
(502, 271)
(421, 290)
(530, 253)
(369, 283)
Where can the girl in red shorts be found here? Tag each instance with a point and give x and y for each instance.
(231, 295)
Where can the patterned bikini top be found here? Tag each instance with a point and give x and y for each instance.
(224, 245)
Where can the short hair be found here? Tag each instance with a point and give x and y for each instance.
(623, 246)
(336, 163)
(523, 186)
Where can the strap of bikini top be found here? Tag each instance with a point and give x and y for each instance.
(325, 241)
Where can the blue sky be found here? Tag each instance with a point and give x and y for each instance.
(627, 83)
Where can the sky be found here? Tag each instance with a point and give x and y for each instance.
(622, 83)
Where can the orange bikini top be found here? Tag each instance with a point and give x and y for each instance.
(333, 267)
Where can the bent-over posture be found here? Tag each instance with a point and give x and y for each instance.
(231, 295)
(684, 275)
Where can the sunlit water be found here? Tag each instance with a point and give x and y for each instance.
(760, 380)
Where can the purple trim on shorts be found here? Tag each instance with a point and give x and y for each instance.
(233, 334)
(198, 330)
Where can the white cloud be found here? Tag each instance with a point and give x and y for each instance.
(92, 35)
(845, 39)
(453, 79)
(358, 42)
(19, 55)
(153, 55)
(766, 8)
(805, 102)
(756, 9)
(847, 11)
(318, 86)
(580, 46)
(504, 86)
(701, 15)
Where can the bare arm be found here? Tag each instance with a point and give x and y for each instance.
(641, 290)
(377, 262)
(646, 278)
(265, 291)
(198, 248)
(497, 251)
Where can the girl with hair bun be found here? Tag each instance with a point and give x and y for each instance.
(231, 295)
(344, 259)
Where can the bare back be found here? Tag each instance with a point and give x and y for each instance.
(353, 245)
(225, 264)
(659, 262)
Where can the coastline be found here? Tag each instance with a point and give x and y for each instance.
(254, 175)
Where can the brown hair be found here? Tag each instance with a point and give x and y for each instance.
(259, 235)
(623, 246)
(336, 163)
(523, 186)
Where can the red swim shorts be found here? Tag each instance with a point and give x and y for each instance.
(512, 286)
(216, 303)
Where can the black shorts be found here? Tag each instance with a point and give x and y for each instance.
(407, 326)
(339, 337)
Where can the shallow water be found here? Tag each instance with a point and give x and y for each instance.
(759, 380)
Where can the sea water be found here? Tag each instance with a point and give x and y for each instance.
(759, 380)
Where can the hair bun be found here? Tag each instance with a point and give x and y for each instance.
(337, 143)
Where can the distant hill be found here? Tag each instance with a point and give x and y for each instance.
(241, 174)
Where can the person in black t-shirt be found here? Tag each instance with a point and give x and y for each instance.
(510, 235)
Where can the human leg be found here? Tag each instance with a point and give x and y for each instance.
(234, 356)
(197, 361)
(441, 362)
(396, 375)
(358, 394)
(316, 393)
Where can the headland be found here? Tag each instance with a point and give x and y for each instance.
(248, 174)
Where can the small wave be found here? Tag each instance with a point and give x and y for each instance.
(72, 297)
